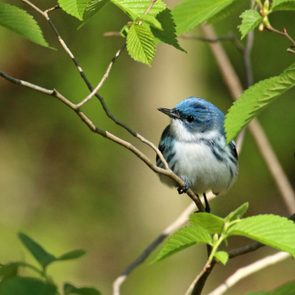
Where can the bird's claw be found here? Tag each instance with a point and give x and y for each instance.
(183, 189)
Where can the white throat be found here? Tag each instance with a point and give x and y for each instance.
(181, 133)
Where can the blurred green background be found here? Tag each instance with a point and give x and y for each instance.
(68, 188)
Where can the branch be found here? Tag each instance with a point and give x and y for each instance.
(63, 44)
(265, 148)
(283, 33)
(230, 37)
(87, 121)
(177, 223)
(246, 271)
(170, 229)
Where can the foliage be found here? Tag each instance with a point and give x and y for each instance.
(256, 98)
(271, 230)
(150, 24)
(13, 282)
(21, 22)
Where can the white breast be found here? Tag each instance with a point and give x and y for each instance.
(195, 162)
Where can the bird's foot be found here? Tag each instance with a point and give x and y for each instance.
(183, 189)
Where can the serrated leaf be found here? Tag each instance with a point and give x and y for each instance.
(286, 289)
(71, 255)
(25, 286)
(74, 8)
(283, 5)
(136, 8)
(191, 13)
(255, 98)
(222, 257)
(71, 289)
(152, 21)
(272, 230)
(183, 238)
(93, 7)
(40, 254)
(168, 33)
(250, 20)
(21, 22)
(140, 43)
(212, 223)
(237, 213)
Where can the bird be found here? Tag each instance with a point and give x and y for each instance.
(195, 148)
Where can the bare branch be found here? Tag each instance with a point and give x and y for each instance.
(90, 87)
(103, 79)
(247, 59)
(230, 37)
(177, 223)
(235, 88)
(249, 270)
(283, 33)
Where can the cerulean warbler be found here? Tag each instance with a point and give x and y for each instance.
(195, 148)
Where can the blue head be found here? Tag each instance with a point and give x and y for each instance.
(196, 115)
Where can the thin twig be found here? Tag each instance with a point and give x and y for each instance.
(247, 59)
(265, 148)
(283, 33)
(152, 3)
(177, 223)
(196, 289)
(112, 34)
(248, 270)
(100, 98)
(230, 37)
(103, 79)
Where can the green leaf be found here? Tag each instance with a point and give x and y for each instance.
(283, 5)
(212, 223)
(250, 20)
(71, 255)
(255, 98)
(140, 43)
(286, 289)
(183, 238)
(237, 213)
(191, 13)
(136, 8)
(74, 8)
(9, 270)
(40, 254)
(272, 230)
(230, 11)
(71, 289)
(21, 22)
(222, 257)
(93, 7)
(26, 286)
(168, 33)
(152, 21)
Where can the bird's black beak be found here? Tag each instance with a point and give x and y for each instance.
(172, 113)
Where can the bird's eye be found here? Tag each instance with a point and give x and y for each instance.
(190, 119)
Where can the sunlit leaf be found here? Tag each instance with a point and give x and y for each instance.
(21, 22)
(272, 230)
(255, 98)
(184, 238)
(191, 13)
(250, 20)
(140, 43)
